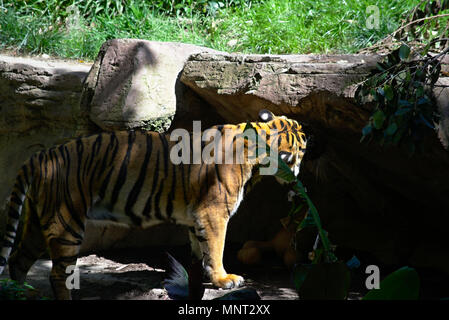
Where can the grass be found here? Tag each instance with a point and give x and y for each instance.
(263, 26)
(309, 26)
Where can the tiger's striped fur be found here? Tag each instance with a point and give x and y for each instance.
(128, 177)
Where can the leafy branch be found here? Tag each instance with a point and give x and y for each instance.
(426, 22)
(401, 89)
(397, 31)
(285, 173)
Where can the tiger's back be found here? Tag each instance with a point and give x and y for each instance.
(136, 183)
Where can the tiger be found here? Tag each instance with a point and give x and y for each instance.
(128, 177)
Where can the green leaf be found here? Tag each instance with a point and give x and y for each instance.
(422, 100)
(420, 73)
(420, 91)
(26, 285)
(389, 93)
(308, 221)
(296, 207)
(378, 119)
(381, 66)
(397, 137)
(392, 128)
(404, 52)
(318, 255)
(402, 111)
(402, 76)
(405, 103)
(367, 129)
(300, 274)
(379, 78)
(403, 284)
(381, 92)
(314, 212)
(426, 49)
(426, 122)
(408, 76)
(284, 172)
(323, 281)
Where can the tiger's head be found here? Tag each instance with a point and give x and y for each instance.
(289, 137)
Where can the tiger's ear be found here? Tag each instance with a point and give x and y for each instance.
(266, 115)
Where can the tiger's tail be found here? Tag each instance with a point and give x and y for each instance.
(14, 210)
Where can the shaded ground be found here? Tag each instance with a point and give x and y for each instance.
(137, 274)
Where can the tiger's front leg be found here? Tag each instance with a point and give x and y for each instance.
(210, 231)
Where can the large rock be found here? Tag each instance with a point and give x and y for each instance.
(40, 93)
(39, 107)
(371, 199)
(134, 84)
(238, 86)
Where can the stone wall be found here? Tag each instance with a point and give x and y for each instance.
(39, 107)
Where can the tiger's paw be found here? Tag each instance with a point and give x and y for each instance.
(228, 281)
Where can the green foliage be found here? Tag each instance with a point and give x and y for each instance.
(11, 290)
(427, 22)
(189, 7)
(401, 91)
(285, 173)
(76, 36)
(63, 8)
(29, 34)
(401, 88)
(90, 9)
(324, 281)
(308, 26)
(403, 284)
(77, 28)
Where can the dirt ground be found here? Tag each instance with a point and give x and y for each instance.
(137, 274)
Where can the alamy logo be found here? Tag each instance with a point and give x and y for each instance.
(373, 19)
(73, 279)
(213, 146)
(373, 280)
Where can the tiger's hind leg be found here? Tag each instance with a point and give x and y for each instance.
(64, 241)
(63, 254)
(60, 271)
(30, 248)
